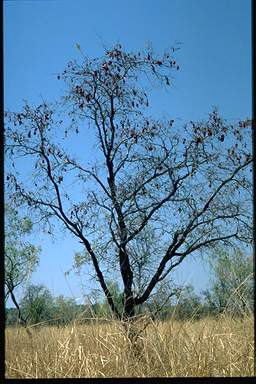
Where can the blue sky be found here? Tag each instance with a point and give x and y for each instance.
(215, 69)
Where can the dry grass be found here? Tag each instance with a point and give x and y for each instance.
(208, 347)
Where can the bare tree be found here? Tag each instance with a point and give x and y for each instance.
(191, 185)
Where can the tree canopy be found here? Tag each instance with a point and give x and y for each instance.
(189, 185)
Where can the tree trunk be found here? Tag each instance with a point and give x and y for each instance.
(21, 319)
(129, 307)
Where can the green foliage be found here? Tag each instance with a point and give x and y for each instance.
(37, 303)
(232, 284)
(21, 257)
(188, 304)
(180, 303)
(11, 316)
(64, 310)
(117, 295)
(39, 306)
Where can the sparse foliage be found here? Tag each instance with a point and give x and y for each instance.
(188, 304)
(20, 257)
(232, 287)
(190, 185)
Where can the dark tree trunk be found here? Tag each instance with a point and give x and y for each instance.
(20, 317)
(127, 275)
(129, 307)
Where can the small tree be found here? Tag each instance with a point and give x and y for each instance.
(191, 185)
(21, 257)
(232, 288)
(37, 303)
(188, 304)
(64, 310)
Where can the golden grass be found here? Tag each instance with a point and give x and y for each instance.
(207, 347)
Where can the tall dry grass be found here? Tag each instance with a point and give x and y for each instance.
(207, 347)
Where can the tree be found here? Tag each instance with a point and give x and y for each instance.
(191, 185)
(64, 310)
(37, 303)
(188, 303)
(232, 287)
(116, 295)
(11, 316)
(21, 257)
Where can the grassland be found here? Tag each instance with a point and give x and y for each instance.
(207, 347)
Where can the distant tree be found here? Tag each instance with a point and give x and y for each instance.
(20, 257)
(37, 304)
(188, 304)
(232, 287)
(191, 185)
(64, 310)
(116, 293)
(161, 300)
(11, 316)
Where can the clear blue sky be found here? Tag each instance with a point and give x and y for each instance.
(215, 62)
